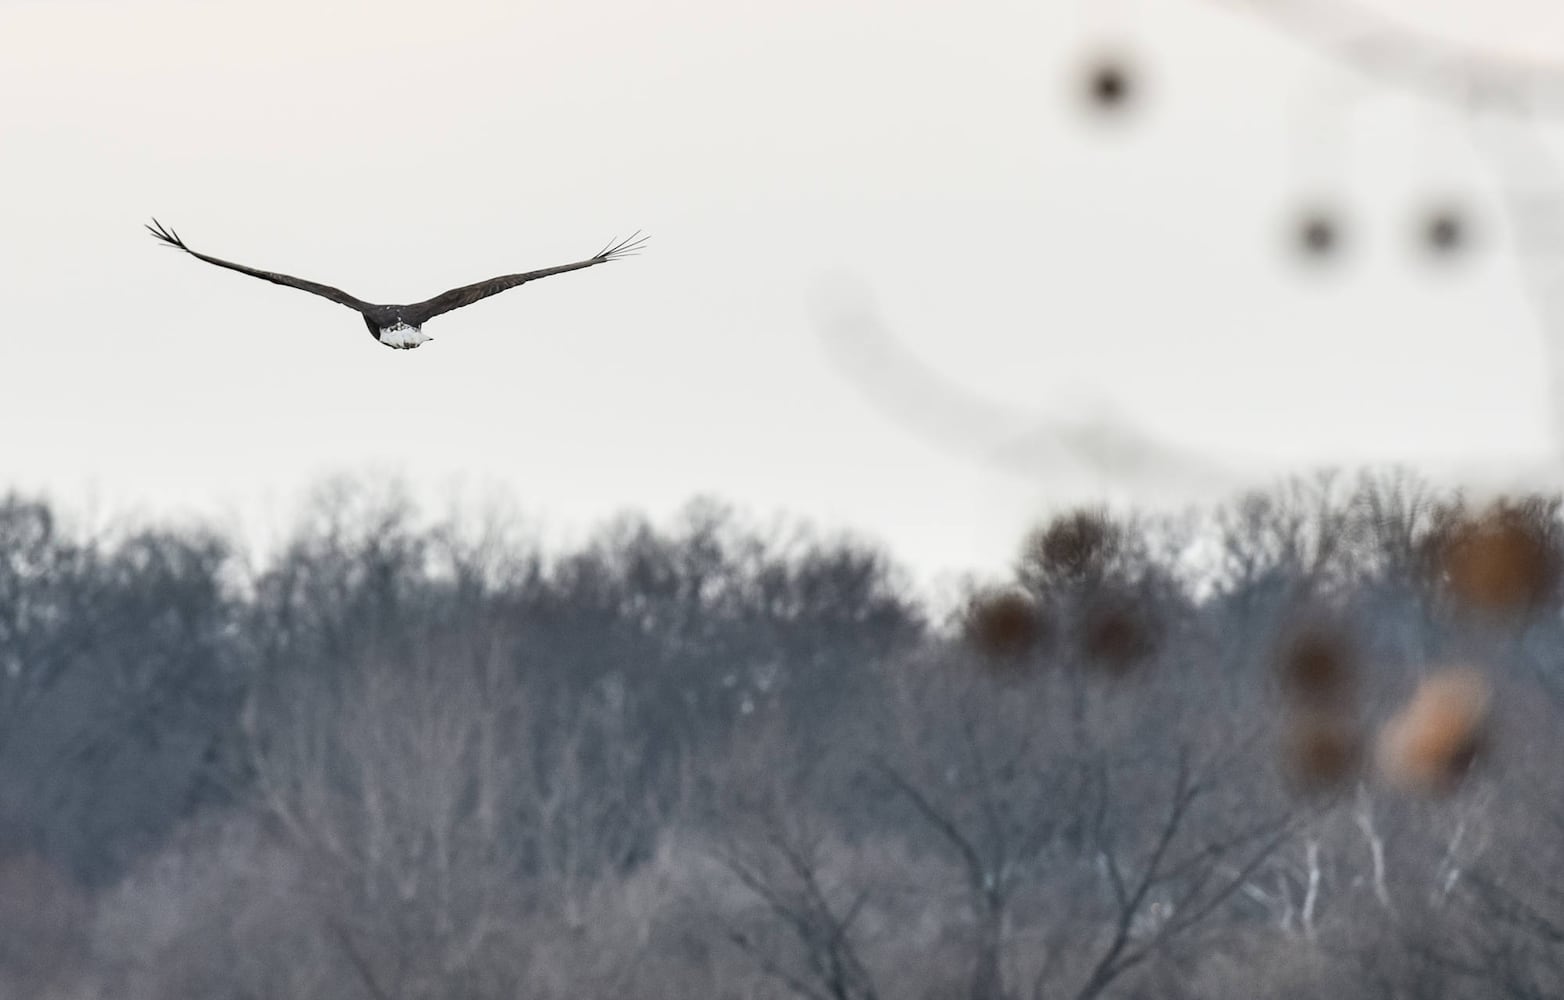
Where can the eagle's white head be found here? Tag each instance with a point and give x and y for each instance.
(402, 336)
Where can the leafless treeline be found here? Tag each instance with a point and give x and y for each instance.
(406, 760)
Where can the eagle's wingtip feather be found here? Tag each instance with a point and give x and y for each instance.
(167, 235)
(630, 246)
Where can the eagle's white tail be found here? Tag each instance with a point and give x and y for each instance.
(402, 337)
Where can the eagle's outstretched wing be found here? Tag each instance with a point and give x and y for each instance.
(171, 238)
(421, 312)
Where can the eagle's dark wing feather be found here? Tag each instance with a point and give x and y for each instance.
(421, 312)
(171, 238)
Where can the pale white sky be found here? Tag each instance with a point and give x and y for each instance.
(791, 162)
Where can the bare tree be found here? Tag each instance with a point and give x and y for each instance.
(443, 811)
(783, 864)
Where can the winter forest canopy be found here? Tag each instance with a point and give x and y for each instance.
(1292, 740)
(1299, 744)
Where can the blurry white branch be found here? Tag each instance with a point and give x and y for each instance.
(1098, 443)
(1530, 178)
(1408, 58)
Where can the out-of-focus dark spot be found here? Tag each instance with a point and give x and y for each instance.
(1317, 667)
(1445, 233)
(1109, 84)
(1500, 561)
(1004, 624)
(1321, 751)
(1116, 634)
(1319, 234)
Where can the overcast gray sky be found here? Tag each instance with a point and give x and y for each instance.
(884, 242)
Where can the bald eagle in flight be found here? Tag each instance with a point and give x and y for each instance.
(402, 326)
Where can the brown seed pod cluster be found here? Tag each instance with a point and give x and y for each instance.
(1317, 668)
(1072, 548)
(1425, 747)
(1321, 737)
(1116, 633)
(1498, 562)
(1322, 750)
(1003, 624)
(1432, 741)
